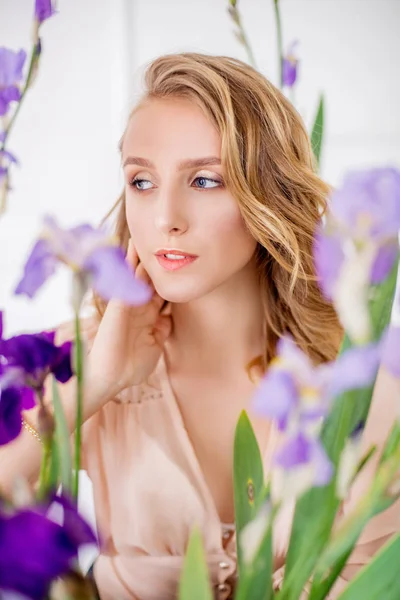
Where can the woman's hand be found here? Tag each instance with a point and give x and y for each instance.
(129, 339)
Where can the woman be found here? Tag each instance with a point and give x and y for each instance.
(218, 212)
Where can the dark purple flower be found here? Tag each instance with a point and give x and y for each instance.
(25, 362)
(11, 66)
(358, 244)
(10, 413)
(13, 400)
(290, 66)
(38, 550)
(44, 9)
(93, 256)
(31, 357)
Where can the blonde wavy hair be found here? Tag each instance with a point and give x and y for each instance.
(270, 169)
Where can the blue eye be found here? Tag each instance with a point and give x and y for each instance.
(139, 184)
(203, 181)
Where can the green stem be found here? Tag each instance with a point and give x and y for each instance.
(234, 12)
(280, 44)
(44, 468)
(79, 405)
(247, 46)
(33, 61)
(45, 464)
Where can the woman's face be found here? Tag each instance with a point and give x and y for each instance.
(176, 199)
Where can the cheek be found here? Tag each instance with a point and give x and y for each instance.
(228, 231)
(138, 230)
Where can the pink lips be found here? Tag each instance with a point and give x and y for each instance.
(171, 264)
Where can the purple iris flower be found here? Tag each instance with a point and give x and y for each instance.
(43, 10)
(290, 66)
(297, 396)
(93, 256)
(37, 550)
(30, 358)
(26, 360)
(11, 406)
(358, 245)
(11, 66)
(13, 400)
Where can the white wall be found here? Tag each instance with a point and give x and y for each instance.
(68, 130)
(66, 138)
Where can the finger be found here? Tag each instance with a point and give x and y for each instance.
(157, 301)
(143, 275)
(162, 329)
(166, 308)
(131, 255)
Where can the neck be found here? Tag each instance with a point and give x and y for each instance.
(221, 332)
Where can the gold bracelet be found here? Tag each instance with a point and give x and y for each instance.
(31, 430)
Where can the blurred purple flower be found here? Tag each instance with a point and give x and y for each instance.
(2, 136)
(37, 549)
(44, 9)
(294, 391)
(297, 396)
(10, 159)
(290, 66)
(358, 245)
(11, 66)
(391, 350)
(305, 451)
(30, 358)
(93, 256)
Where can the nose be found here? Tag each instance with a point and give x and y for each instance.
(170, 217)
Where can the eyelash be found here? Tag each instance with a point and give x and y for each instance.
(136, 180)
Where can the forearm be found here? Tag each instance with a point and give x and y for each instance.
(22, 457)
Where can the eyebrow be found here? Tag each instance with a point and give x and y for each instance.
(189, 163)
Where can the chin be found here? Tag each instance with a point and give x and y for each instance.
(179, 293)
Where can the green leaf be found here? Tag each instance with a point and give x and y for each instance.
(78, 368)
(250, 493)
(380, 578)
(62, 441)
(194, 583)
(255, 581)
(375, 500)
(317, 132)
(248, 477)
(54, 472)
(315, 512)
